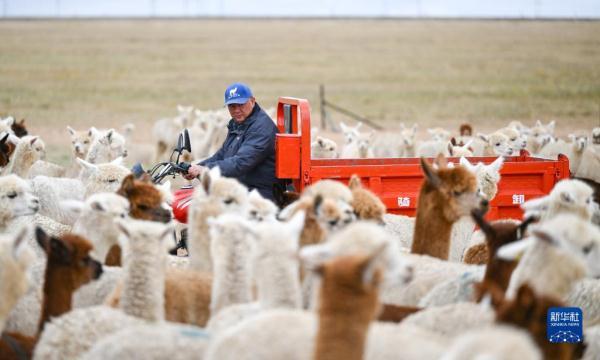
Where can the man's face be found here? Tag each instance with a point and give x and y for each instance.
(239, 112)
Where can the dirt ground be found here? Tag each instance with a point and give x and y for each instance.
(436, 73)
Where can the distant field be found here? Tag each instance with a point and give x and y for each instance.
(105, 73)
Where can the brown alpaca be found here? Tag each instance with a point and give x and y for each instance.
(497, 234)
(284, 197)
(19, 128)
(367, 206)
(529, 311)
(349, 303)
(69, 266)
(145, 202)
(445, 196)
(6, 150)
(466, 130)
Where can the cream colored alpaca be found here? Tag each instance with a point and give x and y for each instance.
(215, 196)
(29, 150)
(106, 147)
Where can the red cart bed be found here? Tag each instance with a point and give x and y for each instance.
(397, 181)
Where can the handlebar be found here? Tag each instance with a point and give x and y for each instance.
(162, 170)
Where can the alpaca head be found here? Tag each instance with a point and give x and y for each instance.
(329, 188)
(225, 193)
(439, 134)
(516, 141)
(488, 176)
(260, 209)
(15, 259)
(107, 146)
(325, 147)
(184, 115)
(466, 130)
(33, 146)
(567, 233)
(457, 150)
(149, 240)
(367, 206)
(146, 201)
(332, 214)
(19, 128)
(352, 279)
(568, 196)
(70, 254)
(351, 134)
(103, 177)
(542, 134)
(500, 233)
(16, 199)
(80, 141)
(363, 237)
(499, 143)
(453, 190)
(596, 136)
(579, 142)
(408, 135)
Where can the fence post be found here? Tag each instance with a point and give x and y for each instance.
(322, 106)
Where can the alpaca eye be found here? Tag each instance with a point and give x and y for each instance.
(112, 180)
(254, 213)
(497, 144)
(333, 222)
(86, 142)
(143, 207)
(12, 195)
(228, 201)
(587, 249)
(457, 193)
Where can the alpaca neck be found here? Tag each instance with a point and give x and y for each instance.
(432, 229)
(231, 283)
(58, 292)
(143, 286)
(199, 235)
(343, 325)
(279, 287)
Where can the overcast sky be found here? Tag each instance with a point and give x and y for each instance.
(431, 8)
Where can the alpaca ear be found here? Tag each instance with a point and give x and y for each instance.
(485, 226)
(127, 185)
(354, 182)
(538, 123)
(514, 250)
(432, 177)
(95, 205)
(414, 129)
(296, 223)
(565, 196)
(73, 206)
(450, 149)
(289, 210)
(370, 266)
(572, 137)
(86, 165)
(109, 135)
(453, 141)
(551, 126)
(320, 141)
(522, 228)
(402, 126)
(206, 182)
(42, 238)
(33, 140)
(60, 250)
(441, 161)
(71, 130)
(483, 137)
(468, 144)
(92, 132)
(4, 138)
(358, 126)
(9, 121)
(317, 204)
(344, 127)
(497, 164)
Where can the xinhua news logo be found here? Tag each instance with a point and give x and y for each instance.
(564, 325)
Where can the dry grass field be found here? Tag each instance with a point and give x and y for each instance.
(108, 72)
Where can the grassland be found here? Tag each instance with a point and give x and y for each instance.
(107, 72)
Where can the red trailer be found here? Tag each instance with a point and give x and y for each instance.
(397, 181)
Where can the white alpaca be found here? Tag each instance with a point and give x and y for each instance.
(29, 149)
(260, 209)
(231, 247)
(539, 136)
(144, 249)
(215, 196)
(103, 177)
(276, 273)
(96, 220)
(496, 144)
(106, 147)
(323, 148)
(165, 131)
(16, 200)
(437, 144)
(573, 150)
(516, 139)
(567, 197)
(41, 167)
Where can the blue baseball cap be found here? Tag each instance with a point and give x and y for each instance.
(237, 93)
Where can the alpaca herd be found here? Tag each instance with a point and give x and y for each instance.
(87, 269)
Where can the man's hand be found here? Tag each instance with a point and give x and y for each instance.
(194, 171)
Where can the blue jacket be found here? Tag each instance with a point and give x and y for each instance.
(248, 153)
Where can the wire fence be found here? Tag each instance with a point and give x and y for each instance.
(530, 9)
